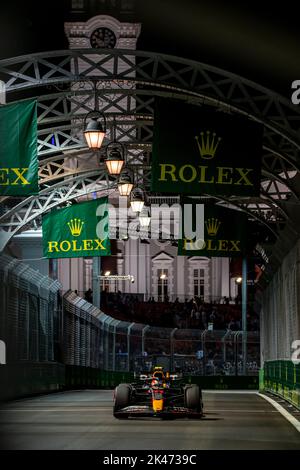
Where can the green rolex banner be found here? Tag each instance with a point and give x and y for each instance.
(18, 149)
(77, 231)
(200, 151)
(225, 233)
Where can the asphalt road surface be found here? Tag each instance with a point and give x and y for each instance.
(83, 420)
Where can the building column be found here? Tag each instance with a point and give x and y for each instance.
(76, 275)
(181, 277)
(132, 265)
(225, 278)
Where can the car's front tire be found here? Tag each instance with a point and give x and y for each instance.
(193, 398)
(122, 399)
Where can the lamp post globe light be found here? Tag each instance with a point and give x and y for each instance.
(125, 184)
(137, 200)
(144, 218)
(164, 286)
(94, 129)
(114, 158)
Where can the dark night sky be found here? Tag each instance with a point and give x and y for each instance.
(256, 40)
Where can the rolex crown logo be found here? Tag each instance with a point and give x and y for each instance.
(212, 226)
(75, 226)
(207, 144)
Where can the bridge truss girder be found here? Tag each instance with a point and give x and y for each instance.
(127, 83)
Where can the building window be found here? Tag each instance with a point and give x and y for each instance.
(162, 285)
(127, 5)
(105, 285)
(77, 4)
(199, 283)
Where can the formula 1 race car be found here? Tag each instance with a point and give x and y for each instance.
(158, 394)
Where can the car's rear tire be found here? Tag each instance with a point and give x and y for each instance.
(122, 399)
(193, 398)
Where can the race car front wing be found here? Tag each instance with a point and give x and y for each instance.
(147, 411)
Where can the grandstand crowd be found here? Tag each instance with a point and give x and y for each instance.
(194, 313)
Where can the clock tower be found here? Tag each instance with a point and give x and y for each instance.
(97, 32)
(102, 31)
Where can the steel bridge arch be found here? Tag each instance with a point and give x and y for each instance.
(23, 214)
(151, 69)
(159, 74)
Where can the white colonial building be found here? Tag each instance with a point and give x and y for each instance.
(157, 269)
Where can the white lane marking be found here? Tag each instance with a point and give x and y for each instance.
(282, 411)
(231, 392)
(213, 410)
(56, 409)
(240, 411)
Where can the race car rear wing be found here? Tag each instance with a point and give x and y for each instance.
(147, 377)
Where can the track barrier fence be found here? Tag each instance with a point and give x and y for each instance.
(55, 342)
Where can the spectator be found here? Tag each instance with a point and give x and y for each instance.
(88, 296)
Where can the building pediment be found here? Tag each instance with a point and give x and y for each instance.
(196, 259)
(162, 257)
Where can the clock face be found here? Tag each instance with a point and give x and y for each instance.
(103, 38)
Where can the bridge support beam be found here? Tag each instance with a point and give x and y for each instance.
(96, 280)
(244, 315)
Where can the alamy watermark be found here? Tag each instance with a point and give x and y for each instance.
(167, 222)
(295, 94)
(2, 352)
(295, 358)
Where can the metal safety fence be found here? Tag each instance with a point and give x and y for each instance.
(124, 346)
(30, 330)
(30, 319)
(282, 378)
(49, 336)
(280, 330)
(280, 310)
